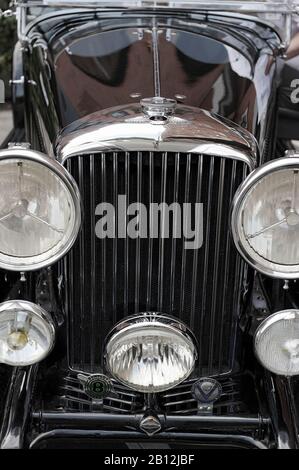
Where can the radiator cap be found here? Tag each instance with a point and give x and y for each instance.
(158, 109)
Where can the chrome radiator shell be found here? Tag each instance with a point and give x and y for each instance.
(193, 157)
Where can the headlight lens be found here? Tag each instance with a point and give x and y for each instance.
(27, 333)
(39, 210)
(150, 352)
(265, 218)
(277, 343)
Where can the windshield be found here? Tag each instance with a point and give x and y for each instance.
(107, 69)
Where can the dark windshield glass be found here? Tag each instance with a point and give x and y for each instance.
(116, 67)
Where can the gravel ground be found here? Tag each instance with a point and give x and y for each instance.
(5, 123)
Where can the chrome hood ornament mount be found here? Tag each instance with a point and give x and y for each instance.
(158, 109)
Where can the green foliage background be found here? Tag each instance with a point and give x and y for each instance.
(7, 41)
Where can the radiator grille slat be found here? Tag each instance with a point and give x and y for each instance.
(161, 241)
(69, 298)
(173, 249)
(216, 262)
(226, 266)
(103, 241)
(108, 279)
(115, 186)
(150, 242)
(207, 262)
(92, 261)
(185, 224)
(138, 199)
(82, 238)
(195, 257)
(127, 193)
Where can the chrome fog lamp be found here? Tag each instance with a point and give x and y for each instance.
(39, 210)
(277, 343)
(27, 333)
(150, 352)
(265, 218)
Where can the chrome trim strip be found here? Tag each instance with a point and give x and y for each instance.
(17, 408)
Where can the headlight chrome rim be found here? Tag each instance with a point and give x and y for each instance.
(288, 314)
(146, 319)
(38, 311)
(24, 154)
(268, 268)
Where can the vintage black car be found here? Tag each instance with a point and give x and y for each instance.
(149, 228)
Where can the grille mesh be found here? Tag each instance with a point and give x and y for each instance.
(109, 279)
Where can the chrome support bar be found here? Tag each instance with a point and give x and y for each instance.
(156, 58)
(17, 407)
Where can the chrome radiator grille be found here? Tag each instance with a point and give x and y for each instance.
(178, 400)
(109, 279)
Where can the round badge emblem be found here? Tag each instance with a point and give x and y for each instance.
(97, 386)
(206, 390)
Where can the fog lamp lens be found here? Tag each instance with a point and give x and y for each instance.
(27, 333)
(277, 343)
(150, 352)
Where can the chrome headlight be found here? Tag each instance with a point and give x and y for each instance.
(27, 333)
(265, 218)
(277, 343)
(39, 210)
(150, 352)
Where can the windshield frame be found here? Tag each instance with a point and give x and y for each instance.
(244, 10)
(246, 6)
